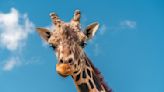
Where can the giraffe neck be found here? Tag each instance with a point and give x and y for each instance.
(86, 79)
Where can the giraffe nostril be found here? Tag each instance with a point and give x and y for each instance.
(61, 61)
(70, 60)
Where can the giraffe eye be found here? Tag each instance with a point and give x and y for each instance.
(83, 44)
(70, 61)
(52, 46)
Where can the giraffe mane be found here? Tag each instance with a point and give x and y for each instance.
(99, 76)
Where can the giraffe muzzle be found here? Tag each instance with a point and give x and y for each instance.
(63, 69)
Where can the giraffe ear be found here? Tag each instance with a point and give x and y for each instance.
(91, 30)
(44, 33)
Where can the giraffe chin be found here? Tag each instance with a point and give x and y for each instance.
(63, 70)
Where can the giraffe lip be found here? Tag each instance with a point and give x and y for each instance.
(63, 75)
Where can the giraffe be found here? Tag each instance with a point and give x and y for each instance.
(68, 41)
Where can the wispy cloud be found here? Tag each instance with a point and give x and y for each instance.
(96, 49)
(128, 24)
(50, 27)
(11, 64)
(32, 61)
(103, 29)
(14, 62)
(14, 29)
(124, 24)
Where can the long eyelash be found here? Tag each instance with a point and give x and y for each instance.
(83, 44)
(52, 46)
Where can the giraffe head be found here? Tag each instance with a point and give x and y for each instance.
(68, 42)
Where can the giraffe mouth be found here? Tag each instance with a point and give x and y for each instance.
(62, 75)
(63, 70)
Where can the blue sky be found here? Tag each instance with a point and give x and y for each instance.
(128, 48)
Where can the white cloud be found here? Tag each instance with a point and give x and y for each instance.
(128, 24)
(14, 29)
(32, 60)
(103, 29)
(97, 49)
(11, 64)
(14, 32)
(14, 62)
(50, 27)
